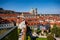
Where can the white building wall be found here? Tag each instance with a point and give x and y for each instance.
(21, 25)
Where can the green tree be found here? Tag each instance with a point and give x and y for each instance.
(1, 9)
(56, 30)
(38, 31)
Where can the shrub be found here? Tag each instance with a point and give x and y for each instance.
(19, 30)
(50, 37)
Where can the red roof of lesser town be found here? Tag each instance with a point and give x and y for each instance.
(31, 21)
(4, 21)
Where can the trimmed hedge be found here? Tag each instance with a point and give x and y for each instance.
(41, 38)
(13, 35)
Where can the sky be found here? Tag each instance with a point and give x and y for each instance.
(43, 6)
